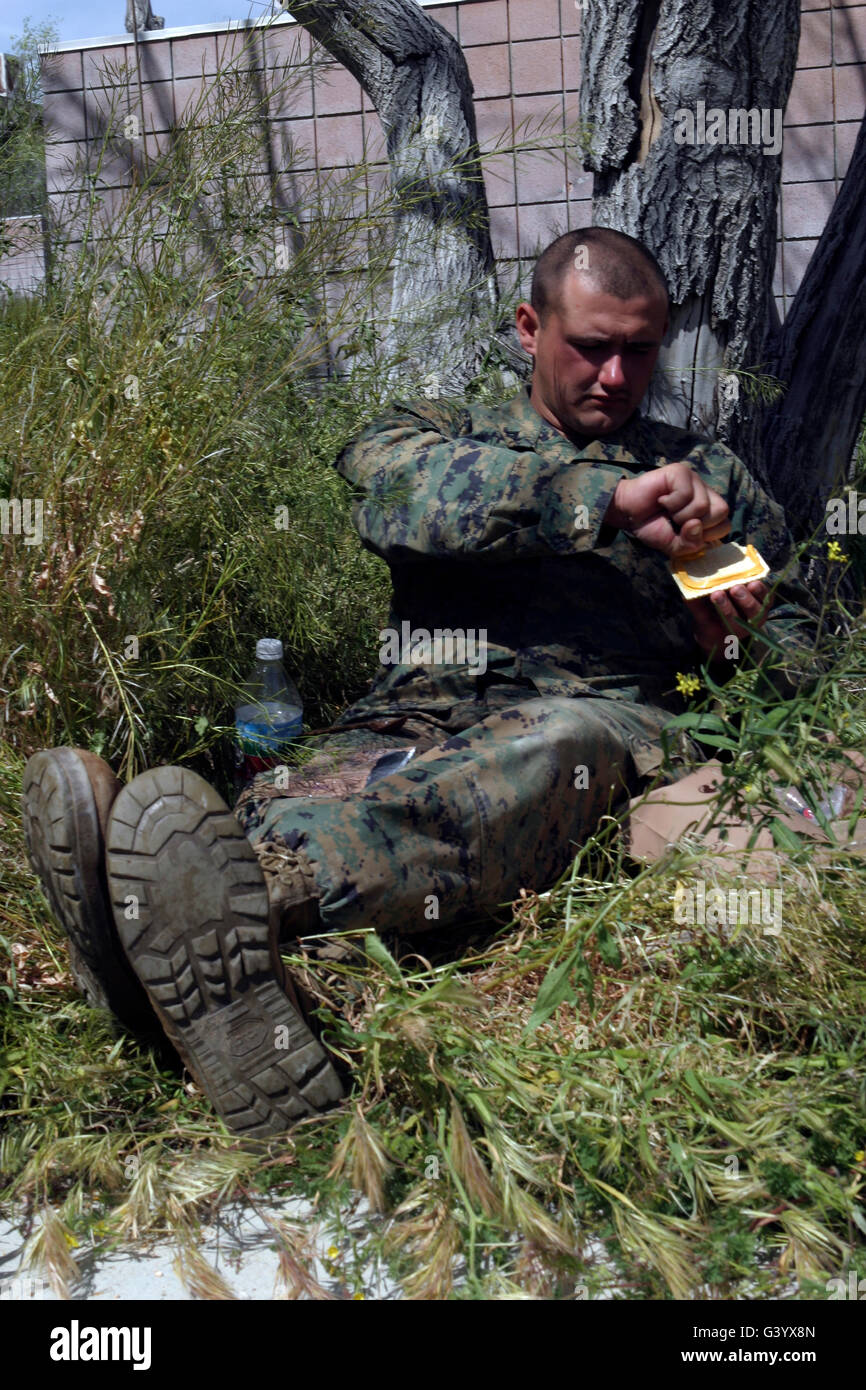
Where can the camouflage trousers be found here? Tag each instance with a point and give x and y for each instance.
(497, 796)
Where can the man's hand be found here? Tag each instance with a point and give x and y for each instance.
(722, 613)
(669, 509)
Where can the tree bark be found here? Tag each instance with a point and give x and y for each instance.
(820, 355)
(707, 210)
(444, 292)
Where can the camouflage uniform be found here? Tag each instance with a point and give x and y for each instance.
(490, 519)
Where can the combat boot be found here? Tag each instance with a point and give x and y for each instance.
(67, 794)
(191, 907)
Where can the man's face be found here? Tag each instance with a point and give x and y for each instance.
(594, 355)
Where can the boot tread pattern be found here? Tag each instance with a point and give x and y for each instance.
(201, 945)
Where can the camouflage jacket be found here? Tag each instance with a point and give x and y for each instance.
(492, 520)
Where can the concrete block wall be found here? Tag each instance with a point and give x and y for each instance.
(523, 57)
(22, 254)
(823, 116)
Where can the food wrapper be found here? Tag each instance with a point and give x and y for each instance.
(720, 565)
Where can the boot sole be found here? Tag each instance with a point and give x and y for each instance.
(200, 943)
(65, 848)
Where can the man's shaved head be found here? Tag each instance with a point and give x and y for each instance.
(616, 264)
(594, 328)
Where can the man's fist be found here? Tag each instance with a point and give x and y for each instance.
(669, 509)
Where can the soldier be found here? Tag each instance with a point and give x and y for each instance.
(530, 540)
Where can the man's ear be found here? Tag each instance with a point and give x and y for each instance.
(527, 322)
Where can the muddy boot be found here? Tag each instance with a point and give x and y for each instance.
(67, 794)
(191, 906)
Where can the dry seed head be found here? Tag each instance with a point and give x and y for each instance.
(433, 1240)
(535, 1223)
(198, 1276)
(361, 1148)
(48, 1251)
(469, 1166)
(414, 1028)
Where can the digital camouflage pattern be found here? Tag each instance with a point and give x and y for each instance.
(475, 511)
(492, 520)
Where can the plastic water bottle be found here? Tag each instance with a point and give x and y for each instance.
(269, 714)
(834, 803)
(831, 806)
(791, 799)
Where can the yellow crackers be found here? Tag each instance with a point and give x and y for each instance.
(719, 566)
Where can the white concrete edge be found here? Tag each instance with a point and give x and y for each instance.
(186, 30)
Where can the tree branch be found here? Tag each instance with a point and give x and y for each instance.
(444, 289)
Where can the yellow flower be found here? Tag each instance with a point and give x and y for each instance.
(333, 1252)
(357, 1295)
(835, 551)
(860, 1156)
(687, 685)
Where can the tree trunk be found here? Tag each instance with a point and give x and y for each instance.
(707, 210)
(820, 355)
(444, 292)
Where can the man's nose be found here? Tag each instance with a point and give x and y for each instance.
(612, 373)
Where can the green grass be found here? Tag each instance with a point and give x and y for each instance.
(570, 1095)
(696, 1106)
(684, 1116)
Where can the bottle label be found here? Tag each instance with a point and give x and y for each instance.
(267, 738)
(257, 747)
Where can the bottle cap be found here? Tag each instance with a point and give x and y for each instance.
(269, 649)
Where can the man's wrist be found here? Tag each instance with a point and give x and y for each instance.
(616, 515)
